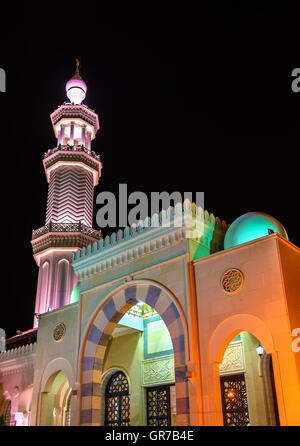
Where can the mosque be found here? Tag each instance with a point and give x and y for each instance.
(149, 327)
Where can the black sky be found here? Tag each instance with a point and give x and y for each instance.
(188, 101)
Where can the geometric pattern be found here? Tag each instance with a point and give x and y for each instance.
(158, 406)
(117, 401)
(70, 196)
(234, 400)
(59, 331)
(232, 280)
(99, 334)
(233, 359)
(158, 370)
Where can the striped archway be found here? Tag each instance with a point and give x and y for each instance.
(98, 334)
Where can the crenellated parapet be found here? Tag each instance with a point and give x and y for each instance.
(161, 231)
(18, 352)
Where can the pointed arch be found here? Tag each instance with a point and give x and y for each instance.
(233, 325)
(218, 342)
(98, 333)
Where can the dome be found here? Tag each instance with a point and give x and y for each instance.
(251, 226)
(76, 87)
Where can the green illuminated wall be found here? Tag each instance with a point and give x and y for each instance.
(157, 340)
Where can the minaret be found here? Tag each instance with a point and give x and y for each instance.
(72, 171)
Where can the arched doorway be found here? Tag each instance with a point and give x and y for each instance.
(241, 367)
(54, 400)
(140, 348)
(97, 347)
(247, 384)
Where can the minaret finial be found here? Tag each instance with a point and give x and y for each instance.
(77, 66)
(76, 87)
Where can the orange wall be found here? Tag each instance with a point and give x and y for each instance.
(290, 265)
(259, 307)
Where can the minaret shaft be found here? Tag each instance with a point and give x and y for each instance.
(70, 196)
(72, 171)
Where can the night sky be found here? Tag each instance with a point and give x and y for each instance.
(187, 102)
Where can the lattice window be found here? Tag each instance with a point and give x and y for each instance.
(232, 280)
(117, 401)
(158, 406)
(234, 400)
(68, 411)
(7, 414)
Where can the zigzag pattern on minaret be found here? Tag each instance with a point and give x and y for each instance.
(70, 196)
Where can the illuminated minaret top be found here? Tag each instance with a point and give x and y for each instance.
(72, 170)
(76, 87)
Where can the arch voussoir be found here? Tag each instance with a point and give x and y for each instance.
(99, 335)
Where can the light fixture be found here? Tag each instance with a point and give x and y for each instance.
(260, 350)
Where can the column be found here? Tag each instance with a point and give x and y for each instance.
(89, 140)
(61, 135)
(71, 141)
(83, 131)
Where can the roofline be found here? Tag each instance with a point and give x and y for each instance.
(257, 241)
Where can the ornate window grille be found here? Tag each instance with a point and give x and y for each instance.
(68, 411)
(7, 415)
(234, 400)
(232, 280)
(117, 401)
(158, 406)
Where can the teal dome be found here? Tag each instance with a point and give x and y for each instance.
(251, 226)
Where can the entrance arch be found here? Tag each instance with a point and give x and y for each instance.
(105, 318)
(223, 334)
(54, 400)
(233, 325)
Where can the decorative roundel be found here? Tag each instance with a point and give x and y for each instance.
(232, 280)
(59, 331)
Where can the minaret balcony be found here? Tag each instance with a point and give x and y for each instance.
(74, 148)
(79, 155)
(56, 236)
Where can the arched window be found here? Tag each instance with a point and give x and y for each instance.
(7, 414)
(117, 401)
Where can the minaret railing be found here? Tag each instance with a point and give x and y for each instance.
(65, 227)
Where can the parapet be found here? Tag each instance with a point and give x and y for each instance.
(159, 231)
